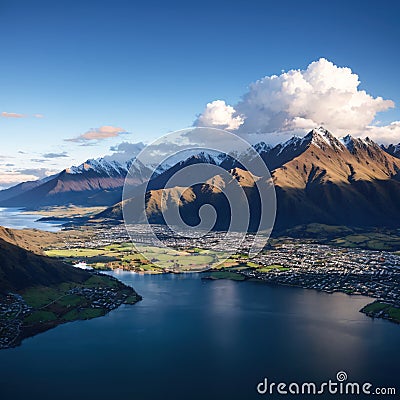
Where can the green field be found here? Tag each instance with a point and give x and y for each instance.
(40, 316)
(156, 260)
(371, 241)
(226, 275)
(124, 256)
(75, 253)
(270, 268)
(70, 300)
(85, 313)
(38, 297)
(382, 309)
(55, 304)
(351, 237)
(100, 281)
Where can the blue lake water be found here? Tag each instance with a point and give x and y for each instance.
(17, 219)
(196, 339)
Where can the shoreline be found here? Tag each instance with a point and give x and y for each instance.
(366, 310)
(23, 314)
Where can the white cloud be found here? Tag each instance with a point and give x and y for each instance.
(11, 178)
(104, 132)
(389, 134)
(218, 114)
(323, 94)
(299, 100)
(8, 179)
(12, 115)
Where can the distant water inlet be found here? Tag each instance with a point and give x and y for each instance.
(17, 218)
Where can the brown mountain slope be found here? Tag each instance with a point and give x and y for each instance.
(327, 160)
(96, 182)
(29, 239)
(90, 188)
(349, 183)
(36, 240)
(161, 204)
(324, 180)
(20, 269)
(157, 200)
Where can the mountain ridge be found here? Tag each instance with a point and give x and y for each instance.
(93, 183)
(319, 179)
(298, 164)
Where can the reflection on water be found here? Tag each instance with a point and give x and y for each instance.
(16, 218)
(195, 339)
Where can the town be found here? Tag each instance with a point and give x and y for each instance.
(288, 261)
(353, 271)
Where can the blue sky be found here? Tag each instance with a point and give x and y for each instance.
(151, 67)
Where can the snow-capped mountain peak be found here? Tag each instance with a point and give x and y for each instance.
(321, 138)
(352, 144)
(348, 142)
(294, 142)
(392, 149)
(99, 166)
(262, 147)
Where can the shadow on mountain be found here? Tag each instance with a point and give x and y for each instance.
(20, 269)
(361, 203)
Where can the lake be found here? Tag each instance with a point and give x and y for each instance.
(197, 339)
(16, 218)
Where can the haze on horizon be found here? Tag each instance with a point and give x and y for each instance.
(85, 79)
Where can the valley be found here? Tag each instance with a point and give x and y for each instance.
(324, 265)
(318, 178)
(199, 200)
(336, 230)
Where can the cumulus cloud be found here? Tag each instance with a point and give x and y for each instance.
(389, 134)
(323, 94)
(104, 132)
(299, 100)
(12, 115)
(218, 114)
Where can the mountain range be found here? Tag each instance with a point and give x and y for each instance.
(93, 183)
(318, 178)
